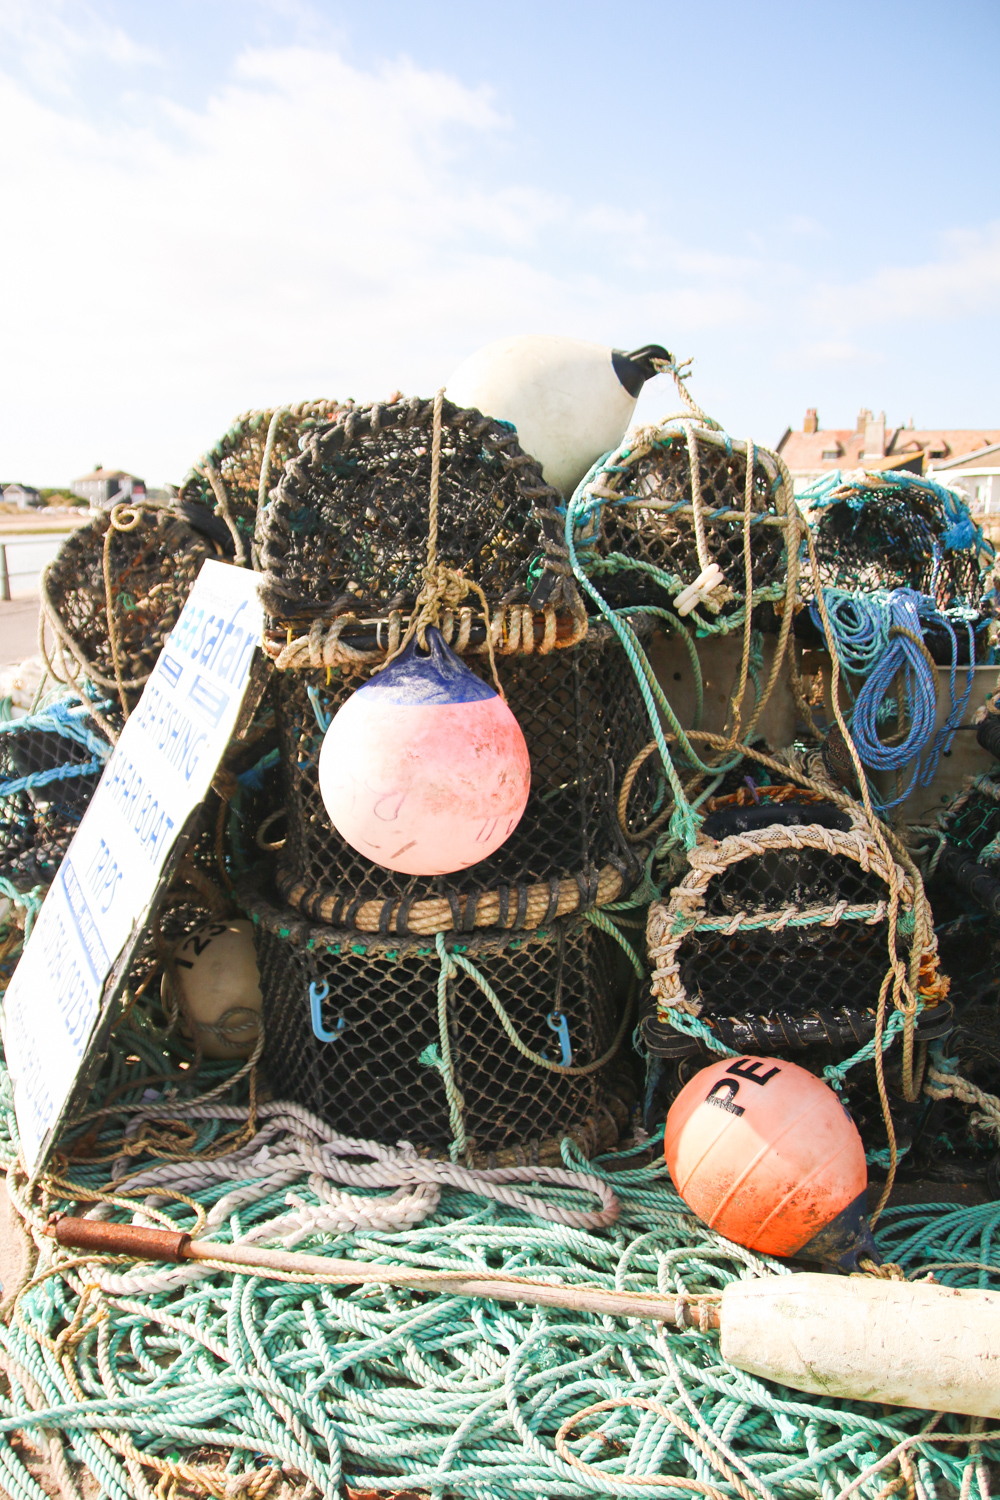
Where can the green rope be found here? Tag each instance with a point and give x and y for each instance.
(383, 1389)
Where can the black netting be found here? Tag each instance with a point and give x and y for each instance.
(894, 538)
(237, 458)
(584, 721)
(152, 568)
(47, 778)
(377, 1080)
(348, 527)
(654, 526)
(973, 822)
(763, 980)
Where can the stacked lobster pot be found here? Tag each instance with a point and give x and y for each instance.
(50, 764)
(889, 530)
(698, 529)
(672, 512)
(778, 938)
(227, 486)
(483, 1011)
(110, 598)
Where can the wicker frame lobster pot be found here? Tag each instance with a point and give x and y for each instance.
(584, 720)
(223, 490)
(638, 520)
(346, 533)
(776, 937)
(889, 531)
(152, 567)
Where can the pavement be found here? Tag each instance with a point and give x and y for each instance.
(18, 630)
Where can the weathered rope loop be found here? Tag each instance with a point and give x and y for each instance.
(123, 518)
(443, 587)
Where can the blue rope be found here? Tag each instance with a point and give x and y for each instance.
(862, 626)
(65, 718)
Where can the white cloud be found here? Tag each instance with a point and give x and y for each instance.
(962, 281)
(319, 228)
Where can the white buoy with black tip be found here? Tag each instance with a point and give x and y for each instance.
(570, 401)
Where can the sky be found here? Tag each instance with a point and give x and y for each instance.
(209, 207)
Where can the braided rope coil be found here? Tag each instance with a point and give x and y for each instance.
(672, 920)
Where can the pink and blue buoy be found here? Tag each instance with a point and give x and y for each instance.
(425, 769)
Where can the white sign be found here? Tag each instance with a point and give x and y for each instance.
(97, 907)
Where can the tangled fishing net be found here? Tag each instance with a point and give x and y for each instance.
(209, 1382)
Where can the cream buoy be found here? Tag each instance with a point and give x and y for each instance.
(570, 401)
(216, 968)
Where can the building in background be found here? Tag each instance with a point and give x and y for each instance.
(977, 475)
(872, 444)
(107, 487)
(24, 495)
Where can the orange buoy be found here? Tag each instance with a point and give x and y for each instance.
(766, 1154)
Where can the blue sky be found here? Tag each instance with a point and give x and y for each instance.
(216, 206)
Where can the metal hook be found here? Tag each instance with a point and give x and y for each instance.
(317, 994)
(559, 1024)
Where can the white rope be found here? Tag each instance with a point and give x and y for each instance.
(295, 1147)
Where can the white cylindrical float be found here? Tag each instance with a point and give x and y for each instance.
(570, 401)
(865, 1339)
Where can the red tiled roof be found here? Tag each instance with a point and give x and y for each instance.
(805, 450)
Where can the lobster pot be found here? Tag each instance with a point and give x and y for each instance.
(378, 1074)
(151, 567)
(50, 764)
(637, 538)
(777, 937)
(346, 533)
(972, 822)
(231, 473)
(888, 531)
(964, 875)
(584, 720)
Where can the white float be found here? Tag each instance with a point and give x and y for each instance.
(219, 988)
(861, 1339)
(570, 401)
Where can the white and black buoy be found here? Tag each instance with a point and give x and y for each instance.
(570, 401)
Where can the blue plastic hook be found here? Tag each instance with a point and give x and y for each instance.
(317, 994)
(323, 719)
(559, 1024)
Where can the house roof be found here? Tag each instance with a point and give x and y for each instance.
(803, 451)
(990, 451)
(106, 474)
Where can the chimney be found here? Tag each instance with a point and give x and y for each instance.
(874, 444)
(811, 423)
(864, 416)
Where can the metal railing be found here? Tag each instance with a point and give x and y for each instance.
(5, 572)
